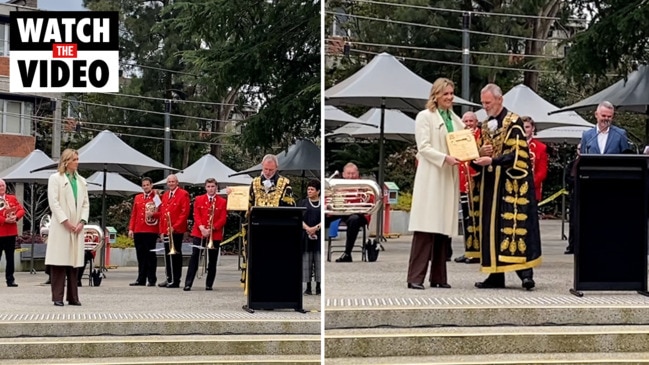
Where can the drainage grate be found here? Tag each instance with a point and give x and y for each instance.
(568, 300)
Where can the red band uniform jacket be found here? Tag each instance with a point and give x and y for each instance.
(202, 216)
(539, 153)
(139, 222)
(178, 207)
(12, 206)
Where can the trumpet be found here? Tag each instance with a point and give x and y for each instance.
(345, 196)
(210, 241)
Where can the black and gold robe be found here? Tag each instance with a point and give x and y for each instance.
(504, 225)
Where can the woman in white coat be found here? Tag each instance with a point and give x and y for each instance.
(67, 195)
(435, 197)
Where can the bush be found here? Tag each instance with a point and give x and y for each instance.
(404, 202)
(123, 241)
(27, 238)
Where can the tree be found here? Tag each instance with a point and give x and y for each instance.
(268, 52)
(616, 38)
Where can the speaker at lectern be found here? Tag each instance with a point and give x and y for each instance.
(275, 258)
(611, 223)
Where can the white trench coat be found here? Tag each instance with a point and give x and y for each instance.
(436, 194)
(65, 248)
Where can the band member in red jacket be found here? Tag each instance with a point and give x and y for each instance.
(175, 206)
(10, 212)
(539, 156)
(143, 228)
(210, 214)
(470, 120)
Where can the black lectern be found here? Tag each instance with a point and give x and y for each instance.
(275, 258)
(611, 217)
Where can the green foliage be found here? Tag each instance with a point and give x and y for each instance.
(123, 241)
(404, 202)
(118, 215)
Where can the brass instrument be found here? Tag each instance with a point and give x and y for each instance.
(3, 204)
(46, 220)
(150, 207)
(346, 196)
(170, 231)
(210, 241)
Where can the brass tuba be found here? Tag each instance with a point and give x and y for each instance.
(346, 196)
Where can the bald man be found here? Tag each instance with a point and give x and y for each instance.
(175, 210)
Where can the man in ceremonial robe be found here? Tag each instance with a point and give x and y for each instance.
(506, 233)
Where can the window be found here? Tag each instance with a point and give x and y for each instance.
(16, 117)
(4, 39)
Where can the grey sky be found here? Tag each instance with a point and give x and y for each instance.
(60, 5)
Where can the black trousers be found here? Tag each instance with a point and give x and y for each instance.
(194, 262)
(175, 261)
(147, 261)
(354, 224)
(8, 246)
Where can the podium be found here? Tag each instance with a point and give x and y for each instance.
(275, 258)
(611, 223)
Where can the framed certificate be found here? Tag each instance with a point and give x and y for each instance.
(462, 145)
(238, 198)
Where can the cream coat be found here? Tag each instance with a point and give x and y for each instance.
(436, 194)
(65, 248)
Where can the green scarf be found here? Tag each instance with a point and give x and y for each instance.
(73, 182)
(448, 121)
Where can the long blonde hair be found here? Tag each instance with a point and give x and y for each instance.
(66, 156)
(437, 90)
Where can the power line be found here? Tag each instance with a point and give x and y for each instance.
(439, 27)
(143, 111)
(464, 11)
(179, 101)
(156, 68)
(446, 50)
(158, 138)
(456, 63)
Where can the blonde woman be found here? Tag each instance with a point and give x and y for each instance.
(435, 197)
(67, 195)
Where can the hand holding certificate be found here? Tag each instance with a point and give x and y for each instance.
(462, 145)
(238, 198)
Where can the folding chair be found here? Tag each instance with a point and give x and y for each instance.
(338, 226)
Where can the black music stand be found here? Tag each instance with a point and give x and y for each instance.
(611, 217)
(275, 258)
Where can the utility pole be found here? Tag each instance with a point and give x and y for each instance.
(56, 130)
(466, 24)
(167, 145)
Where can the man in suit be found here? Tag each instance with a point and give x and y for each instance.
(175, 210)
(10, 212)
(604, 138)
(539, 156)
(143, 229)
(210, 215)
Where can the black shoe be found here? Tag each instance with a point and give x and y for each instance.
(74, 303)
(308, 291)
(444, 286)
(58, 303)
(489, 285)
(150, 284)
(136, 283)
(416, 286)
(569, 251)
(528, 284)
(163, 284)
(176, 285)
(460, 258)
(12, 284)
(48, 282)
(473, 260)
(344, 258)
(187, 288)
(317, 289)
(208, 288)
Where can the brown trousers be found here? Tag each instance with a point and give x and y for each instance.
(428, 247)
(58, 278)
